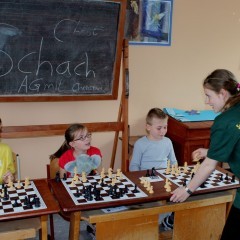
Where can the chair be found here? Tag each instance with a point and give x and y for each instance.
(19, 229)
(52, 169)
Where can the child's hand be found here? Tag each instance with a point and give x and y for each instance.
(8, 175)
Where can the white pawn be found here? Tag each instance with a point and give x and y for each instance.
(151, 190)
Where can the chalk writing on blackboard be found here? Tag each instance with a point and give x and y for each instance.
(58, 48)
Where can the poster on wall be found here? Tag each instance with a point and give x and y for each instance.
(149, 22)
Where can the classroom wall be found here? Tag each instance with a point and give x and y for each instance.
(205, 36)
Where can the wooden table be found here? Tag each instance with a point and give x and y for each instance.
(52, 207)
(143, 221)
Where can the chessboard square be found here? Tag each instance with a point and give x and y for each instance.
(82, 200)
(8, 210)
(130, 195)
(78, 184)
(6, 203)
(27, 207)
(104, 194)
(18, 209)
(130, 185)
(118, 183)
(13, 198)
(29, 190)
(124, 180)
(32, 195)
(100, 199)
(22, 194)
(73, 188)
(227, 182)
(12, 192)
(215, 184)
(108, 182)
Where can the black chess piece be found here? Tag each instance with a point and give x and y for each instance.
(64, 176)
(153, 172)
(226, 177)
(77, 193)
(102, 183)
(84, 189)
(16, 204)
(5, 195)
(147, 173)
(126, 189)
(221, 177)
(37, 202)
(233, 179)
(57, 177)
(135, 190)
(203, 185)
(97, 195)
(192, 175)
(185, 182)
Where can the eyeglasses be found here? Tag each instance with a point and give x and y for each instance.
(83, 138)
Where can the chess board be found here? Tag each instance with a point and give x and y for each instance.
(216, 180)
(17, 201)
(106, 192)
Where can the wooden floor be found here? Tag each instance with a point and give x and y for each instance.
(166, 235)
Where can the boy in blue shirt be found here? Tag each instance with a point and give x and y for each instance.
(154, 150)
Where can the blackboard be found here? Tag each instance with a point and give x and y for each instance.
(60, 49)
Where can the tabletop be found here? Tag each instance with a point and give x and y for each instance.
(67, 204)
(51, 204)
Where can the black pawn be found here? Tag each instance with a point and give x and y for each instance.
(233, 179)
(5, 196)
(135, 190)
(77, 194)
(57, 177)
(221, 177)
(185, 182)
(226, 178)
(64, 176)
(37, 202)
(15, 204)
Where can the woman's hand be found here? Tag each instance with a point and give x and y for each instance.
(198, 154)
(179, 195)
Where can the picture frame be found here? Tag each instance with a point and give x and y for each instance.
(149, 22)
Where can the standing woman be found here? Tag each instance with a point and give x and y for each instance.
(223, 94)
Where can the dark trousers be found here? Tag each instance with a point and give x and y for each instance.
(231, 229)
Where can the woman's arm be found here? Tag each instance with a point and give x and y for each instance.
(206, 168)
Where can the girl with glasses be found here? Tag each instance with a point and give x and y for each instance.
(76, 153)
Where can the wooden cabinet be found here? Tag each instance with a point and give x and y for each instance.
(187, 137)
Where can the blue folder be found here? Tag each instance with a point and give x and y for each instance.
(191, 115)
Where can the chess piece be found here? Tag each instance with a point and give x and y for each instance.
(118, 172)
(26, 183)
(110, 172)
(151, 190)
(185, 167)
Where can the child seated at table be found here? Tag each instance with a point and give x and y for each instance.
(154, 150)
(76, 153)
(7, 168)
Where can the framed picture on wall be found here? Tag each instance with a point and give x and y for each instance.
(149, 22)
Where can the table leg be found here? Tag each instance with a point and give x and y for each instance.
(44, 227)
(74, 229)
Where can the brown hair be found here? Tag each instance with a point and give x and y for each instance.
(224, 79)
(155, 113)
(69, 137)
